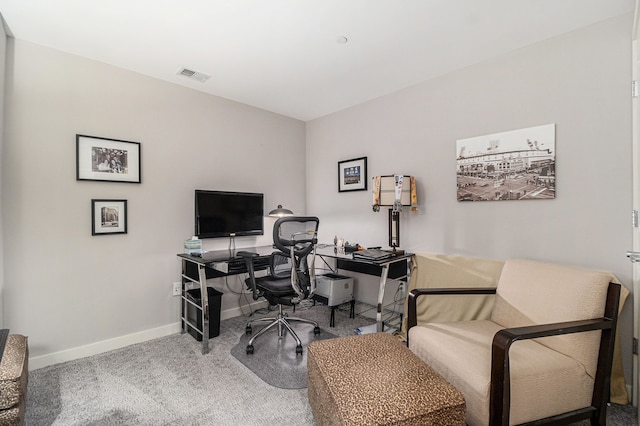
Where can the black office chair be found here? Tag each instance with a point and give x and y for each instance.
(295, 237)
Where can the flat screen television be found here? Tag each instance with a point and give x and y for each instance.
(228, 214)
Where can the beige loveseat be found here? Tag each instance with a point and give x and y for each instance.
(437, 271)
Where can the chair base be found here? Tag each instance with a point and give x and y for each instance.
(282, 321)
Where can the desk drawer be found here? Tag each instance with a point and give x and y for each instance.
(234, 267)
(396, 270)
(191, 271)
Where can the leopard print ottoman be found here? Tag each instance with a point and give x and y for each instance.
(373, 379)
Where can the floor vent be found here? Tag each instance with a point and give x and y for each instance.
(194, 75)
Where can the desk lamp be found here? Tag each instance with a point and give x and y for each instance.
(280, 212)
(394, 192)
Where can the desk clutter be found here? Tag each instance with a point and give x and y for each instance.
(341, 244)
(193, 245)
(373, 254)
(367, 253)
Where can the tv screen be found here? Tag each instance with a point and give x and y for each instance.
(224, 214)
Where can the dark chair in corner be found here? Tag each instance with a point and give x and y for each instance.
(290, 279)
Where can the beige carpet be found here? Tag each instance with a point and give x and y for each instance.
(167, 381)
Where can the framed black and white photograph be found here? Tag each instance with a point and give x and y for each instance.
(109, 160)
(108, 217)
(352, 175)
(513, 165)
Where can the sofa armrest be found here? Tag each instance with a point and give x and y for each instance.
(412, 299)
(500, 393)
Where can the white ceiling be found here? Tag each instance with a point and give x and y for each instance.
(284, 55)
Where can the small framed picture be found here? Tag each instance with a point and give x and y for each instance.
(109, 160)
(352, 175)
(108, 217)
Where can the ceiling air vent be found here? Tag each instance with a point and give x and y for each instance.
(194, 75)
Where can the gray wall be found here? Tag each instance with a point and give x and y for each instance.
(3, 52)
(66, 289)
(580, 81)
(71, 292)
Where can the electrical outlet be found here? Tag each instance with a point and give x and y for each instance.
(177, 289)
(402, 289)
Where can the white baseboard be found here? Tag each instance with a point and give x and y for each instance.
(122, 341)
(102, 346)
(236, 312)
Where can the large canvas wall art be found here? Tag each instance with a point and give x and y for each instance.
(514, 165)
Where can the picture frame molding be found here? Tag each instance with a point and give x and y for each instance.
(86, 161)
(97, 226)
(361, 184)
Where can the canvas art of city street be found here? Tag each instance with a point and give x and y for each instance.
(514, 165)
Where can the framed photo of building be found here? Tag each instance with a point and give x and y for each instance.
(513, 165)
(352, 175)
(108, 217)
(109, 160)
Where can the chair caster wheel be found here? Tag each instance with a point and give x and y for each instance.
(249, 349)
(247, 329)
(316, 330)
(299, 350)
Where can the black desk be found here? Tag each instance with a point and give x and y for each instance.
(196, 269)
(396, 268)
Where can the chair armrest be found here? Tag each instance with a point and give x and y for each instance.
(505, 337)
(248, 261)
(500, 393)
(412, 300)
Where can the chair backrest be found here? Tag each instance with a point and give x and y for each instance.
(280, 265)
(296, 237)
(531, 292)
(299, 232)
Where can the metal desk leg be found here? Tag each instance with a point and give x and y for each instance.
(204, 297)
(383, 283)
(183, 299)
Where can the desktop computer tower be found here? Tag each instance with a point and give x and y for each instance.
(334, 289)
(194, 314)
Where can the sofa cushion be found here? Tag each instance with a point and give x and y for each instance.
(544, 382)
(531, 292)
(433, 270)
(14, 372)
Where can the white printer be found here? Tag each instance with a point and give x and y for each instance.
(334, 289)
